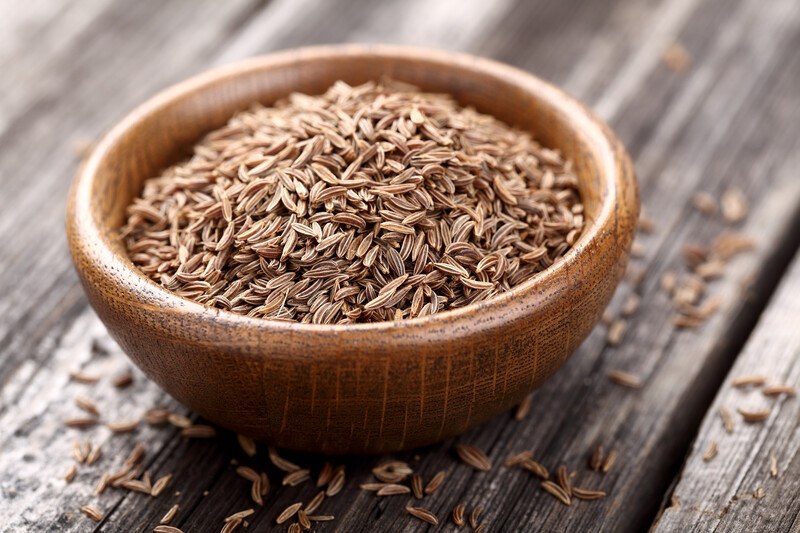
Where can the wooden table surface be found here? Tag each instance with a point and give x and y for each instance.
(728, 118)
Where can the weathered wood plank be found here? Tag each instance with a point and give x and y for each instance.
(732, 119)
(721, 494)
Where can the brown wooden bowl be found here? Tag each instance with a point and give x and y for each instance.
(363, 388)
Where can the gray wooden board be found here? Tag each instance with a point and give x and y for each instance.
(719, 494)
(733, 118)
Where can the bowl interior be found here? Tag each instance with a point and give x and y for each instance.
(167, 127)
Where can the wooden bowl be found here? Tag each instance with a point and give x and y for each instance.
(365, 388)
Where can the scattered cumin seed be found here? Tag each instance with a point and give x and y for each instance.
(302, 519)
(256, 493)
(156, 417)
(626, 379)
(163, 528)
(752, 417)
(458, 515)
(92, 512)
(87, 404)
(179, 421)
(474, 457)
(315, 502)
(481, 528)
(199, 431)
(677, 58)
(321, 518)
(294, 528)
(669, 281)
(733, 205)
(264, 484)
(337, 483)
(776, 390)
(518, 458)
(325, 474)
(94, 454)
(416, 486)
(102, 484)
(167, 518)
(136, 455)
(71, 472)
(393, 489)
(609, 461)
(247, 445)
(392, 471)
(123, 380)
(646, 224)
(289, 512)
(295, 478)
(607, 317)
(686, 322)
(728, 245)
(81, 422)
(701, 312)
(81, 450)
(83, 377)
(160, 485)
(136, 485)
(373, 487)
(435, 482)
(475, 516)
(587, 494)
(694, 254)
(711, 451)
(711, 269)
(596, 458)
(749, 379)
(704, 202)
(123, 426)
(616, 331)
(241, 515)
(248, 473)
(562, 477)
(535, 468)
(280, 462)
(523, 408)
(423, 514)
(556, 492)
(759, 493)
(631, 304)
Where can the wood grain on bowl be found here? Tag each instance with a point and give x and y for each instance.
(356, 388)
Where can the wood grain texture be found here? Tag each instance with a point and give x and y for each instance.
(731, 119)
(360, 388)
(721, 494)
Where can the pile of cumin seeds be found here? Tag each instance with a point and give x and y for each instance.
(368, 203)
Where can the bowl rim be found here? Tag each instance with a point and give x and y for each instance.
(84, 228)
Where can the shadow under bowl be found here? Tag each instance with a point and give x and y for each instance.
(366, 388)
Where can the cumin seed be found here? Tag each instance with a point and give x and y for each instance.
(474, 457)
(436, 481)
(423, 514)
(711, 451)
(626, 379)
(458, 515)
